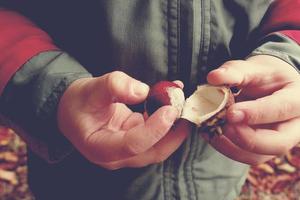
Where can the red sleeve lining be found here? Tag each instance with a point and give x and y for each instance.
(292, 34)
(20, 41)
(282, 15)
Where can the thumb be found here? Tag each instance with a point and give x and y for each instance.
(256, 70)
(117, 87)
(233, 73)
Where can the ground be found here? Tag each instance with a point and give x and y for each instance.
(278, 179)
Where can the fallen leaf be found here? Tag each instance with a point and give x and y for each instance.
(6, 135)
(266, 168)
(8, 156)
(280, 186)
(8, 165)
(286, 167)
(252, 180)
(277, 161)
(9, 176)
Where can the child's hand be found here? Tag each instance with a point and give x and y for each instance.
(266, 120)
(92, 114)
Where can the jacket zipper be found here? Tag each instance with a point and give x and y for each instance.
(203, 51)
(186, 42)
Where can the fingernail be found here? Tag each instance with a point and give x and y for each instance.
(171, 114)
(140, 89)
(235, 116)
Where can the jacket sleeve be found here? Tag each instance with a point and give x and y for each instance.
(33, 75)
(280, 32)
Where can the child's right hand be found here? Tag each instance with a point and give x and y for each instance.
(92, 114)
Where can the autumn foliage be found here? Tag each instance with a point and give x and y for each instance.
(277, 179)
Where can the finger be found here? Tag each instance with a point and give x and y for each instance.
(243, 73)
(133, 120)
(109, 144)
(279, 106)
(170, 143)
(117, 87)
(119, 114)
(265, 141)
(104, 138)
(227, 74)
(142, 137)
(223, 145)
(159, 152)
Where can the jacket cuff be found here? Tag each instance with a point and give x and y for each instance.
(31, 99)
(20, 41)
(280, 46)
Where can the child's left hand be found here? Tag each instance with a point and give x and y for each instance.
(265, 122)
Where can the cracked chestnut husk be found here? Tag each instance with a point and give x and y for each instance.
(206, 107)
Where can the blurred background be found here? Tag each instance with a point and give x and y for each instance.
(278, 179)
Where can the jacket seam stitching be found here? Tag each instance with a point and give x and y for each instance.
(178, 36)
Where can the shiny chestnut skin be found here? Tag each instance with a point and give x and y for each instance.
(162, 93)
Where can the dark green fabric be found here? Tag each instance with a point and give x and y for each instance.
(149, 40)
(280, 46)
(31, 98)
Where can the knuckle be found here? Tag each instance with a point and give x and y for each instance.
(232, 63)
(254, 117)
(116, 74)
(134, 148)
(284, 110)
(113, 79)
(120, 85)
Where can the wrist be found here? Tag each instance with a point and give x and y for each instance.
(74, 97)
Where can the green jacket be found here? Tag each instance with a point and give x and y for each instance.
(150, 40)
